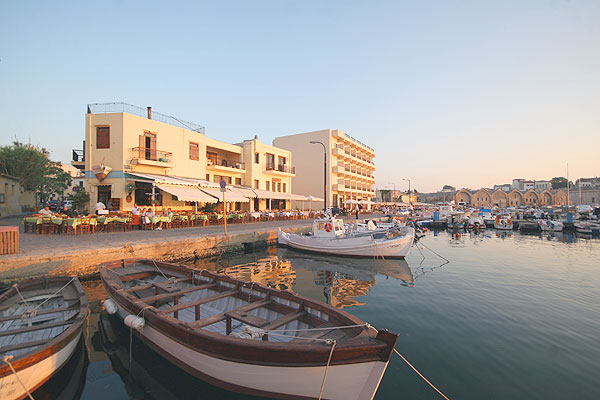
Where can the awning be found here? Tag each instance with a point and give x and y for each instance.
(170, 180)
(231, 196)
(244, 191)
(187, 193)
(264, 194)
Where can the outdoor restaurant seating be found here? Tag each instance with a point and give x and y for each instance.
(125, 221)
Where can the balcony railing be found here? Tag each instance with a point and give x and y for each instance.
(78, 155)
(280, 168)
(144, 153)
(224, 162)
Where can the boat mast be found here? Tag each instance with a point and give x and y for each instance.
(568, 189)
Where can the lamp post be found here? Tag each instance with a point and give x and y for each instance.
(408, 189)
(324, 173)
(394, 192)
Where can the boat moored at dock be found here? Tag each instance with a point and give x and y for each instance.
(245, 337)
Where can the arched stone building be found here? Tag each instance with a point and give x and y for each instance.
(485, 198)
(463, 196)
(499, 198)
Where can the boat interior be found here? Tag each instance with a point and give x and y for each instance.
(223, 305)
(41, 317)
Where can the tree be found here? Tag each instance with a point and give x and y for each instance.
(449, 188)
(558, 182)
(80, 199)
(32, 165)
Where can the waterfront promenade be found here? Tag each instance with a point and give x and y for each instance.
(80, 254)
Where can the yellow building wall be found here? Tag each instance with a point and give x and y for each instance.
(15, 200)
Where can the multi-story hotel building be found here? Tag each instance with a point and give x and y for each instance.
(350, 166)
(131, 154)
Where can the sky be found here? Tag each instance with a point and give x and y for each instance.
(465, 93)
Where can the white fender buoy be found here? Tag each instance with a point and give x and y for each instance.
(135, 322)
(110, 306)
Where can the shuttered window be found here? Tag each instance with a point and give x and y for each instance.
(102, 137)
(194, 151)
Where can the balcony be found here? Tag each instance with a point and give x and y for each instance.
(223, 164)
(78, 159)
(280, 169)
(147, 156)
(338, 151)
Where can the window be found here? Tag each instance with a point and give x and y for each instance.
(256, 184)
(270, 161)
(238, 181)
(208, 177)
(211, 158)
(256, 158)
(102, 137)
(1, 197)
(268, 185)
(194, 151)
(279, 186)
(219, 178)
(284, 189)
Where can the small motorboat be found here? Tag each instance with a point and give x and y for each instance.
(329, 236)
(503, 222)
(548, 225)
(587, 227)
(476, 222)
(40, 325)
(245, 337)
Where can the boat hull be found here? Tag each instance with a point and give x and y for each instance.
(362, 246)
(37, 374)
(348, 381)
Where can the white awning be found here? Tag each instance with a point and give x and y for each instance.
(171, 180)
(244, 191)
(264, 194)
(187, 193)
(231, 196)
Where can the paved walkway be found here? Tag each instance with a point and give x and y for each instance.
(36, 248)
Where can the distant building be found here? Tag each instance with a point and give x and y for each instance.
(517, 184)
(14, 199)
(499, 198)
(350, 166)
(505, 187)
(542, 185)
(588, 183)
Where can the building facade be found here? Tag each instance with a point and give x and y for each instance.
(350, 166)
(500, 198)
(132, 155)
(13, 198)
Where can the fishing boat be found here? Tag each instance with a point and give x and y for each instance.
(329, 236)
(503, 222)
(587, 227)
(246, 337)
(550, 225)
(40, 325)
(476, 222)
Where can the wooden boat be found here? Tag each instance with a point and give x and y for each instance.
(245, 337)
(101, 171)
(329, 236)
(40, 325)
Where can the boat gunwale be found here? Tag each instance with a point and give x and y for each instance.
(53, 346)
(313, 353)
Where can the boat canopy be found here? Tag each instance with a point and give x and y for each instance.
(328, 228)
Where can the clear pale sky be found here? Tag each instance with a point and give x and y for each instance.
(467, 93)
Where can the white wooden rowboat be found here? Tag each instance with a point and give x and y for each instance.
(245, 337)
(40, 326)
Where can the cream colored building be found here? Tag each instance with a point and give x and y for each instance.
(350, 166)
(131, 154)
(13, 198)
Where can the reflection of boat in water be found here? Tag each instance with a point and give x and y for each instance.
(149, 376)
(69, 382)
(362, 269)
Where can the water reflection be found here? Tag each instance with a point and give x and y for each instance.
(335, 280)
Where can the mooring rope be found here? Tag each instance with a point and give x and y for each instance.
(421, 375)
(327, 369)
(7, 359)
(16, 286)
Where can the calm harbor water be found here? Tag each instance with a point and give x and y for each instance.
(509, 317)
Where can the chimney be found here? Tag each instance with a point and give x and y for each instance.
(149, 112)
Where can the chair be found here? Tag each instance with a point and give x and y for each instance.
(85, 225)
(48, 226)
(69, 228)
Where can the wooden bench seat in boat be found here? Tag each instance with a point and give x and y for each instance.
(221, 317)
(166, 296)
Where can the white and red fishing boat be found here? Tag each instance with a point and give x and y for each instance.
(245, 337)
(40, 325)
(330, 236)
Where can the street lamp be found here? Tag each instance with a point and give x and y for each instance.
(324, 173)
(394, 192)
(408, 189)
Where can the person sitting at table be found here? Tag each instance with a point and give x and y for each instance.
(146, 215)
(164, 213)
(135, 210)
(45, 211)
(67, 212)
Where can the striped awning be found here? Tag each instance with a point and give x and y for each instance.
(231, 196)
(188, 193)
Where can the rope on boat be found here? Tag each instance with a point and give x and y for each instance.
(437, 254)
(326, 369)
(159, 270)
(7, 359)
(55, 293)
(421, 375)
(331, 328)
(16, 286)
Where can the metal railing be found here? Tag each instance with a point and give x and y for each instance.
(144, 153)
(223, 162)
(108, 108)
(78, 155)
(280, 168)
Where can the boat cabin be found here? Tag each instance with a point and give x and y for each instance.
(328, 228)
